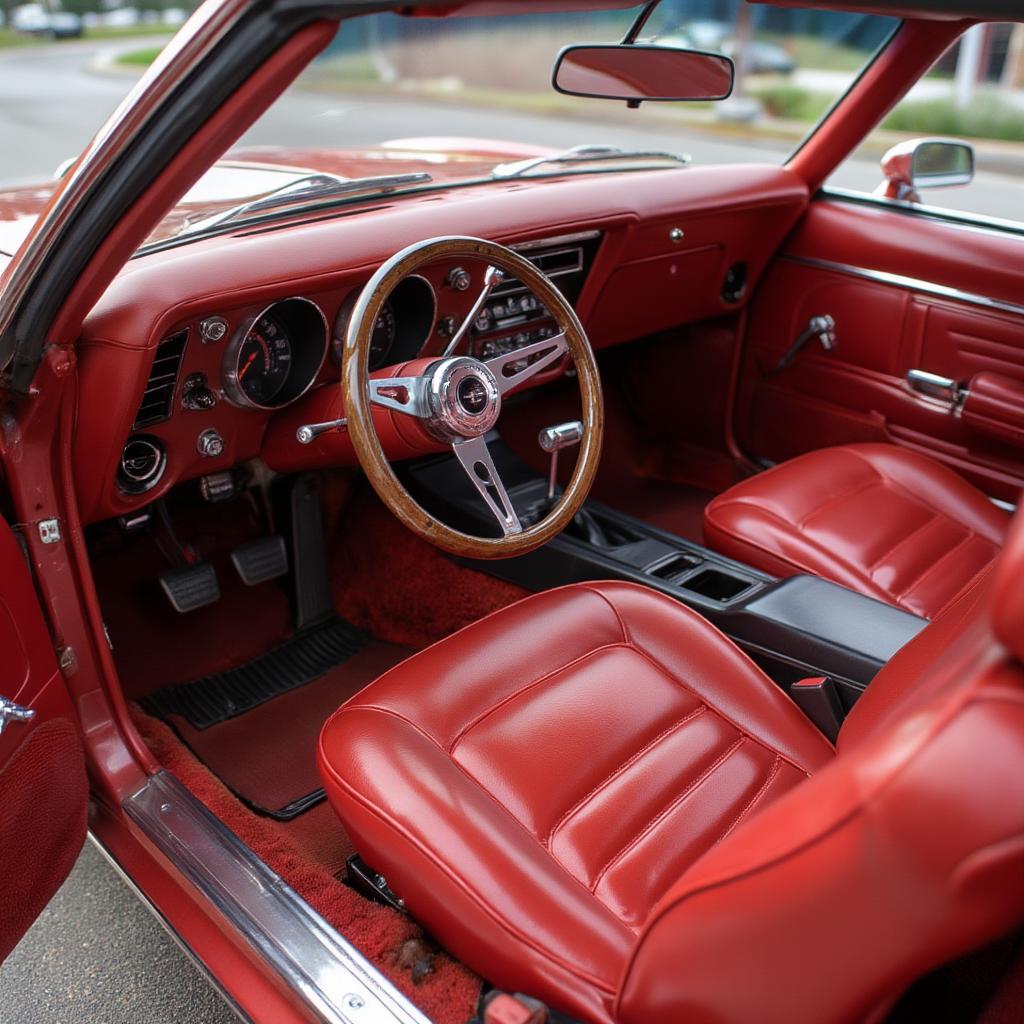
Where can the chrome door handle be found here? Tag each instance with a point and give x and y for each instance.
(11, 712)
(932, 385)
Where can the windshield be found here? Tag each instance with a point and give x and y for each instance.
(437, 103)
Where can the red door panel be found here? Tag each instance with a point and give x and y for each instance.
(43, 788)
(907, 292)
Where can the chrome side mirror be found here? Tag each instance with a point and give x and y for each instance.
(639, 72)
(925, 163)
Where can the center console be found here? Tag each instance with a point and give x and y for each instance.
(794, 628)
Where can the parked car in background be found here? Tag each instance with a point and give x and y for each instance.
(36, 20)
(757, 56)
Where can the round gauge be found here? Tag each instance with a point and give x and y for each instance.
(403, 327)
(264, 360)
(383, 337)
(276, 358)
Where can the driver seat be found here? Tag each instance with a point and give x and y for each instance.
(593, 797)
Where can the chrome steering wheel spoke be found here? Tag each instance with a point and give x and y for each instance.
(407, 395)
(479, 466)
(550, 351)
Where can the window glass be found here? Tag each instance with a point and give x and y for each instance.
(974, 94)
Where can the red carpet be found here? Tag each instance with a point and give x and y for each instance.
(447, 994)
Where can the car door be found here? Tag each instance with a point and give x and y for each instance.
(911, 292)
(43, 786)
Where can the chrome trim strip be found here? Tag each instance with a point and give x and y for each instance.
(1004, 505)
(912, 283)
(978, 222)
(544, 243)
(198, 964)
(334, 979)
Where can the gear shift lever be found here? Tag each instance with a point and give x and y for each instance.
(553, 440)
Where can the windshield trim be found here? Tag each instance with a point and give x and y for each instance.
(883, 46)
(298, 215)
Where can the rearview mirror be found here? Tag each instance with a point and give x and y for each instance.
(926, 163)
(638, 72)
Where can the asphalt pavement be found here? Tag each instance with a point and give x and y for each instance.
(98, 956)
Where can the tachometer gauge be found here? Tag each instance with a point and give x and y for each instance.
(264, 359)
(383, 337)
(276, 358)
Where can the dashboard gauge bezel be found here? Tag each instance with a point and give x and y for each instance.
(305, 376)
(345, 314)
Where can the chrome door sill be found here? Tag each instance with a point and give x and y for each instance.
(334, 979)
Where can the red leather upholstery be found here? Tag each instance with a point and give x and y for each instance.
(995, 405)
(879, 519)
(532, 785)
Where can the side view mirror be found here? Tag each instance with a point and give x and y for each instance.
(925, 163)
(636, 72)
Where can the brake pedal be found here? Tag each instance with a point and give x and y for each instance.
(192, 587)
(261, 560)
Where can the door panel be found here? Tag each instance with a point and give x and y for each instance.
(906, 292)
(43, 787)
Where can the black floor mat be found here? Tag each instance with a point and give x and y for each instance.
(303, 658)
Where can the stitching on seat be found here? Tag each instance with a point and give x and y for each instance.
(615, 611)
(721, 714)
(664, 812)
(935, 565)
(752, 802)
(461, 735)
(442, 866)
(877, 482)
(927, 524)
(700, 709)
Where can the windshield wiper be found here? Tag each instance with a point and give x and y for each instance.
(585, 155)
(309, 189)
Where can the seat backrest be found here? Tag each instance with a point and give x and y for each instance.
(904, 852)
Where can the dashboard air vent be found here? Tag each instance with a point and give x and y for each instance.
(163, 377)
(142, 464)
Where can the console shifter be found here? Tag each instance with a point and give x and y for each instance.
(553, 440)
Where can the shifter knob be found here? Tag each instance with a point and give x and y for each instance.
(554, 439)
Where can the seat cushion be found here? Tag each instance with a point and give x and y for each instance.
(879, 519)
(534, 784)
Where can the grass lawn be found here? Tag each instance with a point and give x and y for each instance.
(9, 39)
(139, 58)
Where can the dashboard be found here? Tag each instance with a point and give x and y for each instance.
(210, 355)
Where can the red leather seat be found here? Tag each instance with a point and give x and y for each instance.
(877, 518)
(593, 797)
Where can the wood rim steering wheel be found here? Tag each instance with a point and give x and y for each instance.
(457, 399)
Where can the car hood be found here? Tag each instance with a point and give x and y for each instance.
(251, 173)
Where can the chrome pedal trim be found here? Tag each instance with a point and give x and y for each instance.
(337, 982)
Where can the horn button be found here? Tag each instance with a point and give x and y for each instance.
(465, 399)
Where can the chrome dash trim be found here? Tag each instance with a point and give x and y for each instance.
(940, 291)
(544, 243)
(325, 970)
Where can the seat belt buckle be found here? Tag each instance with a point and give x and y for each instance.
(818, 699)
(503, 1008)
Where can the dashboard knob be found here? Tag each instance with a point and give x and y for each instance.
(459, 279)
(213, 328)
(210, 444)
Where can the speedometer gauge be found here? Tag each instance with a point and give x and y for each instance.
(383, 337)
(264, 359)
(276, 357)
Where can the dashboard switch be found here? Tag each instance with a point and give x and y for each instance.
(210, 444)
(196, 394)
(459, 279)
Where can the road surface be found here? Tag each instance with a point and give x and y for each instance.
(52, 100)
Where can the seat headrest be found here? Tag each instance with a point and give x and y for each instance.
(1008, 593)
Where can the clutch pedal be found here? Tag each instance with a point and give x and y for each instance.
(192, 587)
(261, 560)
